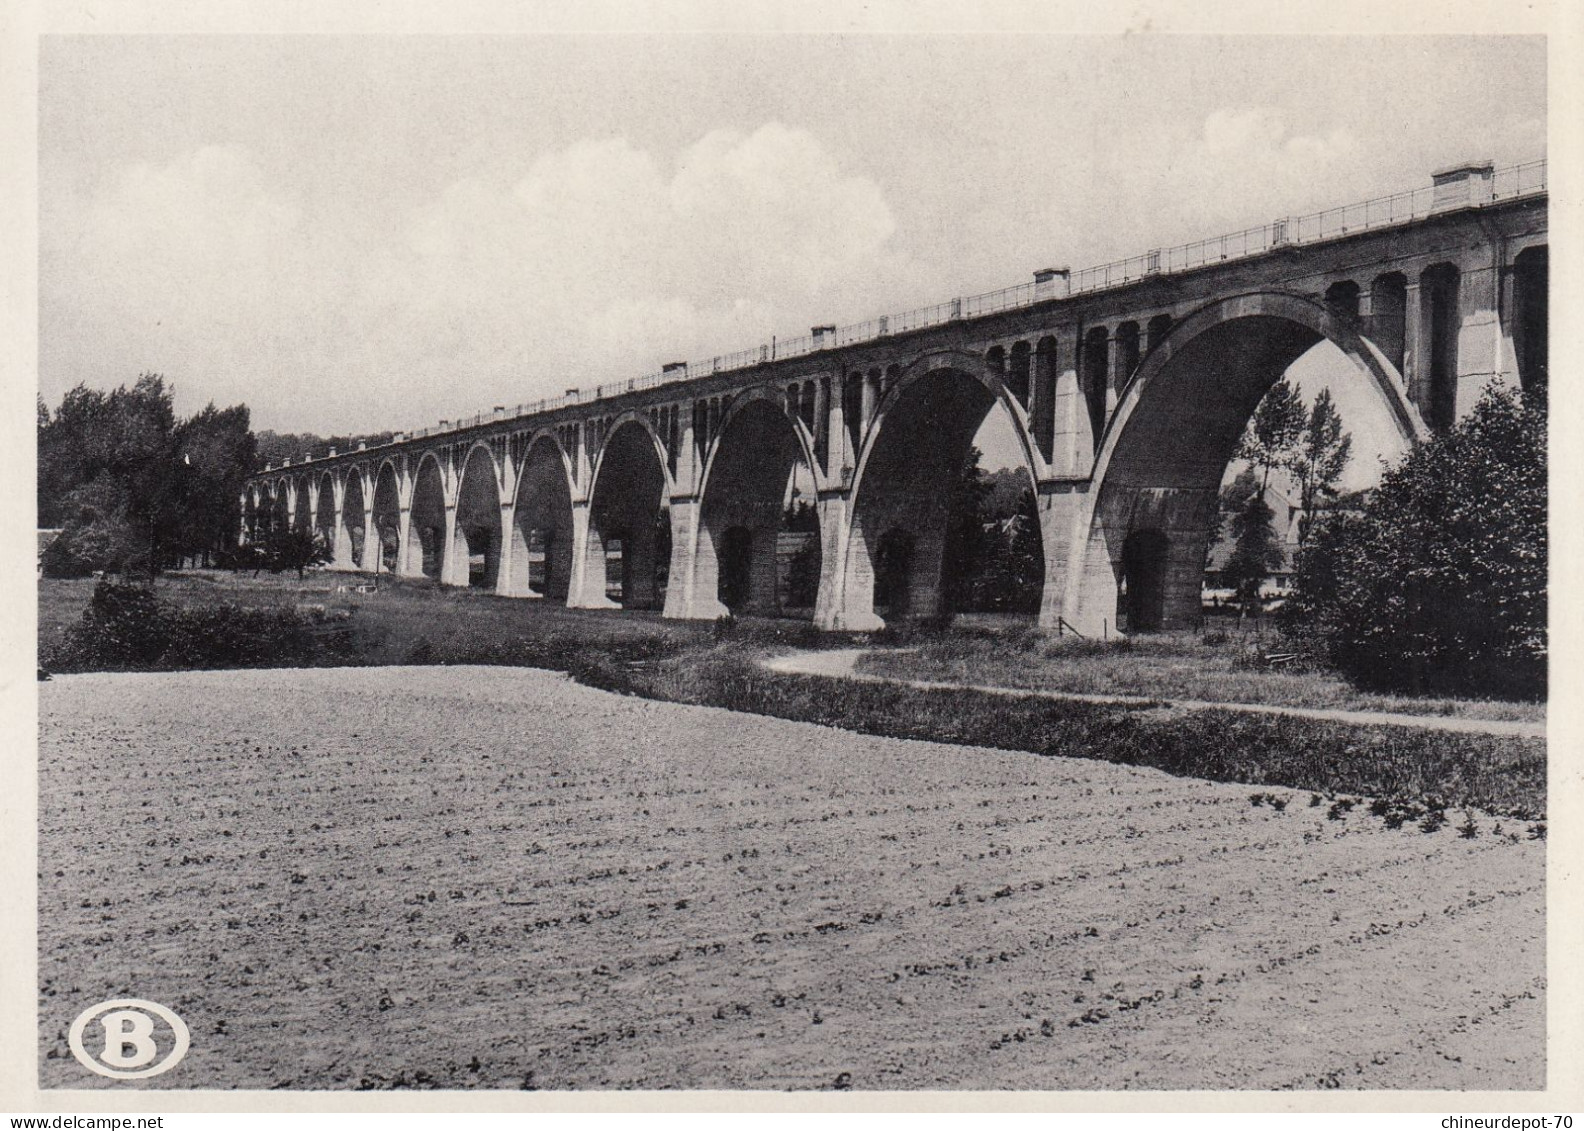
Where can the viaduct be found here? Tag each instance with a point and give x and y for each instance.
(1128, 385)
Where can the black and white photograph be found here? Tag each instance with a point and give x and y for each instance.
(790, 560)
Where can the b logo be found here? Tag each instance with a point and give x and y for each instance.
(127, 1039)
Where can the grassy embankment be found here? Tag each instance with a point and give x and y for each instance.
(1219, 665)
(1415, 776)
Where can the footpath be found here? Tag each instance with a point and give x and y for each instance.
(841, 663)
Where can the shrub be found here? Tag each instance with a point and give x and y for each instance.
(127, 628)
(1439, 586)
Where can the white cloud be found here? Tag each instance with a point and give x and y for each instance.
(598, 264)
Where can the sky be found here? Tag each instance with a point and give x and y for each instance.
(354, 233)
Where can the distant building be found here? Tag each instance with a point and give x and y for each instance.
(1218, 590)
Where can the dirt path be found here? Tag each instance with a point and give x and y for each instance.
(841, 663)
(496, 878)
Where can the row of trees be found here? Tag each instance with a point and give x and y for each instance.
(132, 487)
(1310, 448)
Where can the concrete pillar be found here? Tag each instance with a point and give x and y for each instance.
(870, 394)
(340, 537)
(409, 557)
(1073, 449)
(837, 440)
(1096, 556)
(692, 592)
(846, 586)
(453, 551)
(1061, 507)
(1479, 343)
(1416, 346)
(824, 438)
(371, 540)
(1115, 373)
(516, 564)
(586, 586)
(506, 553)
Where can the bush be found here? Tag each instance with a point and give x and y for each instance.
(1440, 586)
(127, 628)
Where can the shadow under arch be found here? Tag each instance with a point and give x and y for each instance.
(387, 519)
(903, 483)
(749, 472)
(541, 556)
(426, 525)
(351, 535)
(1167, 446)
(625, 545)
(478, 522)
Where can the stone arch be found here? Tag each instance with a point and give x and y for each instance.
(279, 512)
(302, 517)
(250, 513)
(387, 518)
(542, 540)
(425, 551)
(352, 534)
(922, 429)
(1343, 296)
(324, 515)
(475, 550)
(626, 493)
(1164, 452)
(738, 562)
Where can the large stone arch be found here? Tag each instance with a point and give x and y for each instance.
(280, 514)
(542, 523)
(302, 517)
(387, 515)
(324, 511)
(737, 565)
(478, 532)
(626, 490)
(896, 531)
(427, 533)
(352, 533)
(1157, 475)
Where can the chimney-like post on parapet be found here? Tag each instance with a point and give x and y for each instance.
(1052, 282)
(1461, 186)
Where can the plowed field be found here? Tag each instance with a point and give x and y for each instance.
(495, 878)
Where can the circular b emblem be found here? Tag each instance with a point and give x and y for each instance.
(128, 1039)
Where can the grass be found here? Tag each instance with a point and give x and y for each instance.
(1405, 766)
(1218, 666)
(718, 665)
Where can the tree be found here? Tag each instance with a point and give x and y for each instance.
(1274, 430)
(1440, 585)
(292, 549)
(1255, 550)
(215, 452)
(1318, 459)
(1234, 498)
(963, 552)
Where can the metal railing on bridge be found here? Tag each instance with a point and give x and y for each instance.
(1508, 183)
